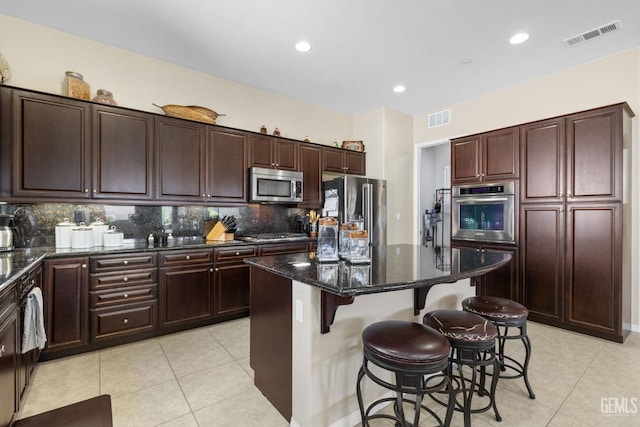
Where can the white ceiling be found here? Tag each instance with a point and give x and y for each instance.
(361, 48)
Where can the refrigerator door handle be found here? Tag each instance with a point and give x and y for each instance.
(367, 207)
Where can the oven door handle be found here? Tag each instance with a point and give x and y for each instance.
(481, 199)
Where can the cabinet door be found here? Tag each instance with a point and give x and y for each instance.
(231, 289)
(227, 165)
(286, 154)
(502, 282)
(180, 160)
(260, 151)
(594, 268)
(122, 154)
(542, 161)
(594, 155)
(500, 154)
(66, 302)
(51, 146)
(542, 261)
(186, 295)
(332, 160)
(311, 168)
(354, 163)
(8, 368)
(465, 159)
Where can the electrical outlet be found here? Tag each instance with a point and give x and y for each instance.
(299, 311)
(397, 216)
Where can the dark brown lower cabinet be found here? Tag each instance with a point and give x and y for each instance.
(231, 280)
(571, 263)
(502, 282)
(186, 294)
(65, 298)
(8, 356)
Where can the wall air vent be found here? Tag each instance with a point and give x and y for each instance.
(592, 34)
(440, 118)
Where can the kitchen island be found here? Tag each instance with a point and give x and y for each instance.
(307, 318)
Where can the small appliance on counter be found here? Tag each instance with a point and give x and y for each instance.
(6, 232)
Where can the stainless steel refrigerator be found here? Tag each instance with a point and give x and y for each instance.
(358, 199)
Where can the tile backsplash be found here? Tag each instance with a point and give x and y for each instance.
(35, 223)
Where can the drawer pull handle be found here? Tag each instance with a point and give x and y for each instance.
(125, 321)
(126, 262)
(188, 257)
(126, 279)
(126, 295)
(2, 350)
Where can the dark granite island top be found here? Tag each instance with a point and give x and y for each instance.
(392, 268)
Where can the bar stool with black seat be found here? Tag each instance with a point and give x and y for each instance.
(417, 356)
(473, 340)
(505, 314)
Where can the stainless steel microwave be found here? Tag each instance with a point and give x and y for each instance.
(274, 186)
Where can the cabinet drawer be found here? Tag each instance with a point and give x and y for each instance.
(122, 295)
(184, 257)
(120, 262)
(236, 252)
(7, 301)
(123, 320)
(123, 278)
(283, 248)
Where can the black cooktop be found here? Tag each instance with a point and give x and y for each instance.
(274, 237)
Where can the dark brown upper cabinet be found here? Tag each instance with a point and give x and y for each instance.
(50, 140)
(122, 154)
(575, 158)
(343, 161)
(491, 156)
(311, 168)
(273, 153)
(227, 165)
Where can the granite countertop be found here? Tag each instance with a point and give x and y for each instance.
(15, 263)
(392, 267)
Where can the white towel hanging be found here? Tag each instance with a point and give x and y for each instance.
(34, 335)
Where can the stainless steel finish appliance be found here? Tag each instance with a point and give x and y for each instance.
(360, 200)
(274, 186)
(6, 232)
(484, 212)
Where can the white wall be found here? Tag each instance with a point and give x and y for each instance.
(607, 81)
(38, 57)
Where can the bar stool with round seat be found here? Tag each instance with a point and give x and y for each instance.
(505, 314)
(417, 356)
(473, 341)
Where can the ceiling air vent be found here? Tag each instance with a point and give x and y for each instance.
(592, 34)
(440, 118)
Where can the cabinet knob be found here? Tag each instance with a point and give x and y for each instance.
(217, 269)
(95, 191)
(561, 195)
(126, 279)
(125, 262)
(125, 296)
(84, 266)
(208, 195)
(203, 195)
(86, 190)
(237, 253)
(125, 320)
(568, 193)
(187, 257)
(2, 349)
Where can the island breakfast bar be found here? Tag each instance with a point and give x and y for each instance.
(307, 319)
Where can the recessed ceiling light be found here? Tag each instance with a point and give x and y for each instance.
(399, 89)
(519, 38)
(466, 61)
(303, 46)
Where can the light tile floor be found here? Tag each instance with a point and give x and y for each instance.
(202, 378)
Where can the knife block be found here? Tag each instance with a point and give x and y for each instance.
(217, 232)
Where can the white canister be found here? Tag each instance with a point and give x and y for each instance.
(82, 237)
(112, 237)
(99, 228)
(63, 233)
